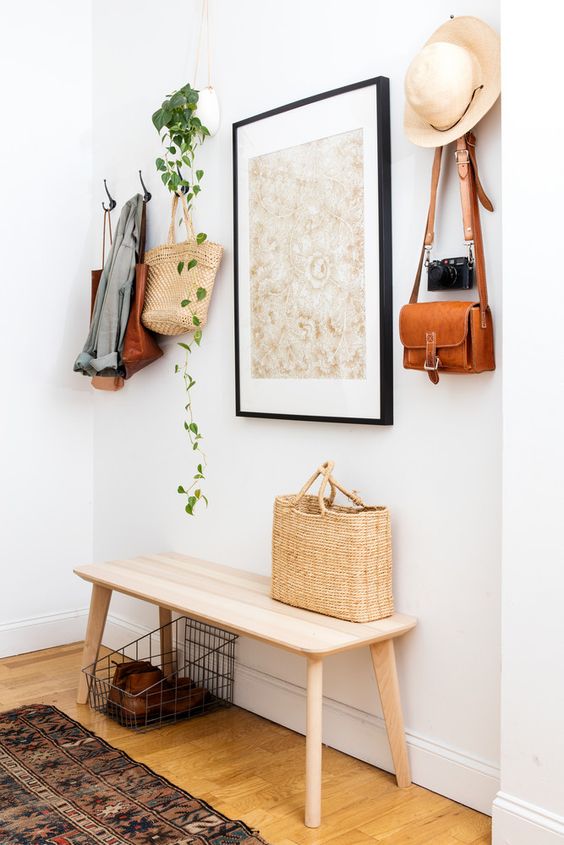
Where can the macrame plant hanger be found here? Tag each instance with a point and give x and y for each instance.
(208, 103)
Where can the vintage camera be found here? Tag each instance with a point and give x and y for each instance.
(450, 274)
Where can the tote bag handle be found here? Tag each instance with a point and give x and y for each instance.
(190, 235)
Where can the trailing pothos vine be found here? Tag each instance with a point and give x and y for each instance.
(181, 133)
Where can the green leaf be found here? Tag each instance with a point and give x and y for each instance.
(199, 174)
(192, 383)
(160, 162)
(196, 189)
(180, 267)
(186, 426)
(192, 263)
(196, 320)
(189, 509)
(194, 447)
(198, 336)
(172, 150)
(197, 493)
(158, 119)
(177, 99)
(176, 368)
(165, 177)
(185, 302)
(180, 489)
(192, 500)
(205, 500)
(193, 427)
(201, 237)
(184, 346)
(201, 293)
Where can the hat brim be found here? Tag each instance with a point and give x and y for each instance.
(483, 43)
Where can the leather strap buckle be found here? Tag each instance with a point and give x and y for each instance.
(432, 361)
(457, 153)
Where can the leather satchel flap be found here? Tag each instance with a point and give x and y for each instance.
(449, 321)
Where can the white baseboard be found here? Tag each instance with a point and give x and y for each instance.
(516, 822)
(35, 632)
(362, 735)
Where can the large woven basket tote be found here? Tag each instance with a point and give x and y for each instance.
(333, 559)
(166, 288)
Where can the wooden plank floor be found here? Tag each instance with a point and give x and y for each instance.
(250, 768)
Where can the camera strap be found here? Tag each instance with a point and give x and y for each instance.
(471, 193)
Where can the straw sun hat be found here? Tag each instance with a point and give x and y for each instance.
(452, 82)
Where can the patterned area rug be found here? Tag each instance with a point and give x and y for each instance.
(62, 785)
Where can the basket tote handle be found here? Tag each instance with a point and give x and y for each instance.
(325, 470)
(190, 234)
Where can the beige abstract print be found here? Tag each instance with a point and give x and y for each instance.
(306, 229)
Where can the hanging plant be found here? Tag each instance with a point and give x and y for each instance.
(181, 133)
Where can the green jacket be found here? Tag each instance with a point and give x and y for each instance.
(101, 354)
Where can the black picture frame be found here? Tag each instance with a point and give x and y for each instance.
(382, 90)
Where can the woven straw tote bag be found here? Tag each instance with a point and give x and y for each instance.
(166, 288)
(332, 559)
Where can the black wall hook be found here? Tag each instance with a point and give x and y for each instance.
(146, 195)
(113, 203)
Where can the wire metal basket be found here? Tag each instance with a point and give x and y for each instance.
(179, 671)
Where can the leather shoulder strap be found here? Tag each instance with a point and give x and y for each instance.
(470, 191)
(465, 156)
(430, 222)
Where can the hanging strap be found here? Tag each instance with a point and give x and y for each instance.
(206, 16)
(190, 234)
(471, 191)
(429, 236)
(142, 235)
(108, 220)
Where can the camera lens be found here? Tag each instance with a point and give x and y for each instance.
(442, 275)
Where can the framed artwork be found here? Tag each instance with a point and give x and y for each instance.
(313, 258)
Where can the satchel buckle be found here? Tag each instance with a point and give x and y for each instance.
(435, 366)
(462, 152)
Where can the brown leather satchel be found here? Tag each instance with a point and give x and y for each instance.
(139, 346)
(453, 336)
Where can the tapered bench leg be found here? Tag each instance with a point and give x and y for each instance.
(167, 656)
(99, 603)
(384, 660)
(314, 741)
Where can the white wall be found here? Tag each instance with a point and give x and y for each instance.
(447, 545)
(46, 431)
(529, 809)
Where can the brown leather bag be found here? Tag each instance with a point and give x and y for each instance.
(139, 346)
(452, 336)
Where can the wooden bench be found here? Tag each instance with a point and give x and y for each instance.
(240, 602)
